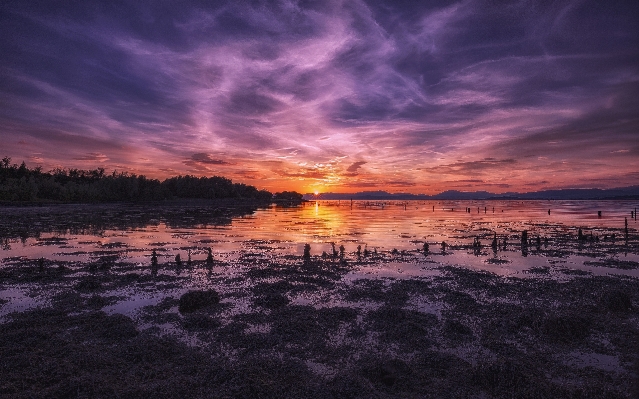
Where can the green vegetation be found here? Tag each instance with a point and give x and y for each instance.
(21, 184)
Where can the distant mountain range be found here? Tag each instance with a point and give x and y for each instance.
(565, 194)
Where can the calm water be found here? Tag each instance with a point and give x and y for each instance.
(128, 234)
(381, 226)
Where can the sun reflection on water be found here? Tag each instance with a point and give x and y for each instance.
(376, 225)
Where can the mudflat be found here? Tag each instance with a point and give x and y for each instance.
(378, 323)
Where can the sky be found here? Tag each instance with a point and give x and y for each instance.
(341, 96)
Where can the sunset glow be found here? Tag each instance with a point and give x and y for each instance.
(335, 96)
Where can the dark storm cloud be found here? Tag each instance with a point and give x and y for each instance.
(206, 159)
(402, 84)
(472, 167)
(380, 184)
(356, 165)
(93, 156)
(352, 170)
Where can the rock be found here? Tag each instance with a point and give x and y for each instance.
(566, 328)
(88, 285)
(271, 301)
(194, 300)
(617, 301)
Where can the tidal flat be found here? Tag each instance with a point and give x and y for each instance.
(86, 312)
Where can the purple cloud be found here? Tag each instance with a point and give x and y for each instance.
(291, 95)
(356, 165)
(206, 159)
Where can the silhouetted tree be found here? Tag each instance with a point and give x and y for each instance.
(20, 184)
(288, 197)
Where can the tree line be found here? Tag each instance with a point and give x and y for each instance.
(18, 183)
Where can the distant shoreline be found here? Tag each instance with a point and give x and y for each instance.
(472, 199)
(620, 193)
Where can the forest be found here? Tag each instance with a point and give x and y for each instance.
(19, 184)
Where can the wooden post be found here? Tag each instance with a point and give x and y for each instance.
(307, 253)
(209, 258)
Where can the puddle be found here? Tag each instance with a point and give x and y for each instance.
(17, 300)
(133, 304)
(595, 360)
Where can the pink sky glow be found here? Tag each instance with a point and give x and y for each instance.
(344, 96)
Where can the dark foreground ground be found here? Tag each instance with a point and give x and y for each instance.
(456, 333)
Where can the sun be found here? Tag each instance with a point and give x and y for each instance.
(316, 192)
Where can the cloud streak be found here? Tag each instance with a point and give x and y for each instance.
(297, 95)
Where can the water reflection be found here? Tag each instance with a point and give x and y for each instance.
(95, 220)
(491, 232)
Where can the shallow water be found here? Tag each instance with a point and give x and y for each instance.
(17, 301)
(98, 257)
(381, 226)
